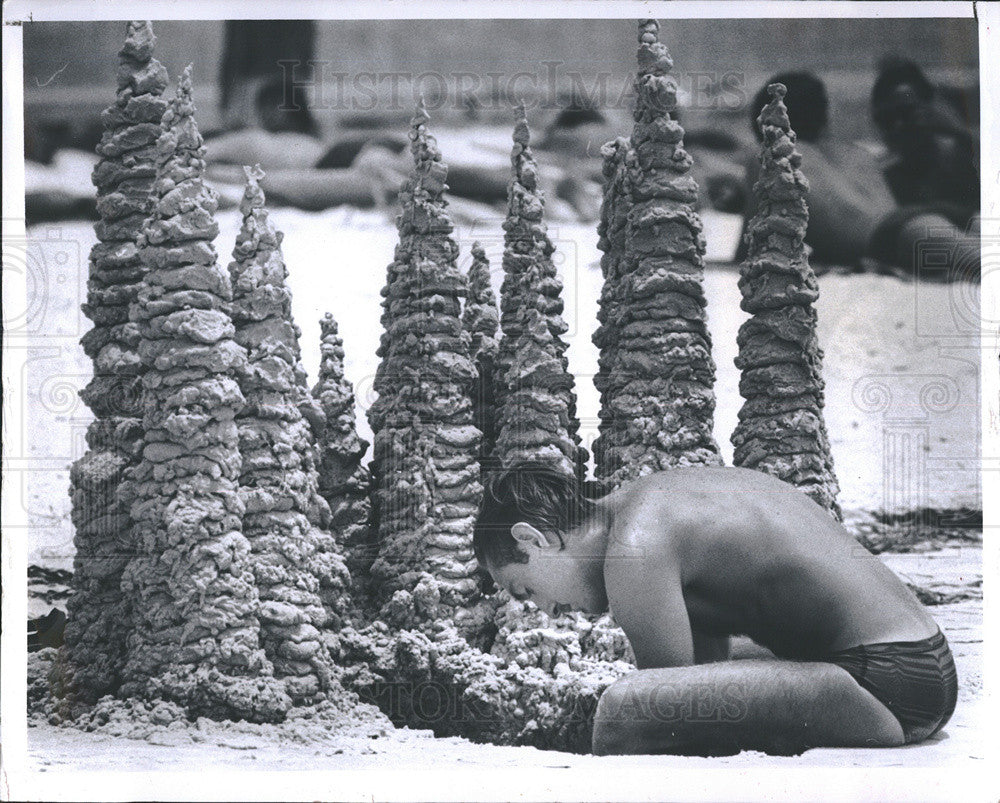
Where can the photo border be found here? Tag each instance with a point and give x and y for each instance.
(703, 783)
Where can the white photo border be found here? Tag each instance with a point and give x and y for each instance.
(707, 782)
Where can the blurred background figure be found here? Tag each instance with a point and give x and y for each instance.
(847, 198)
(324, 108)
(931, 167)
(264, 107)
(256, 90)
(579, 128)
(934, 154)
(867, 206)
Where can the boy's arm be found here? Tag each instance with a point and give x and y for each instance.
(645, 596)
(657, 626)
(708, 649)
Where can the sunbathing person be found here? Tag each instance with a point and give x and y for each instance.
(934, 155)
(932, 171)
(855, 217)
(365, 168)
(684, 559)
(847, 197)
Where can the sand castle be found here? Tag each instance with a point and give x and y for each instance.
(656, 370)
(781, 429)
(517, 677)
(265, 567)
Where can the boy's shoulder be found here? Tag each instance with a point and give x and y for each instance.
(693, 479)
(687, 499)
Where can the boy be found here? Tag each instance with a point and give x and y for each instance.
(685, 558)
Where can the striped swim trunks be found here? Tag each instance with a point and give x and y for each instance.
(915, 680)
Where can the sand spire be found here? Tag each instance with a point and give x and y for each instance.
(195, 637)
(99, 613)
(534, 389)
(426, 450)
(481, 319)
(343, 481)
(781, 429)
(657, 369)
(617, 165)
(296, 564)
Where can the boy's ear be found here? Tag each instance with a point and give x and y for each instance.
(525, 534)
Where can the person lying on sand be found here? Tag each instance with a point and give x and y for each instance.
(366, 168)
(933, 152)
(685, 558)
(854, 216)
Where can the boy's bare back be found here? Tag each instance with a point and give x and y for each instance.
(720, 551)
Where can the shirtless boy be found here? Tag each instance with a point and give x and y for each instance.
(685, 558)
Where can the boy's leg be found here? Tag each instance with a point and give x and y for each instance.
(781, 706)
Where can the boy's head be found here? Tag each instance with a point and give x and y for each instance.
(520, 538)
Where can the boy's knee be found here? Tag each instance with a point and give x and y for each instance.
(612, 737)
(616, 699)
(610, 729)
(622, 720)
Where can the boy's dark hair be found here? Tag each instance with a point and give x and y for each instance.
(549, 500)
(574, 116)
(808, 106)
